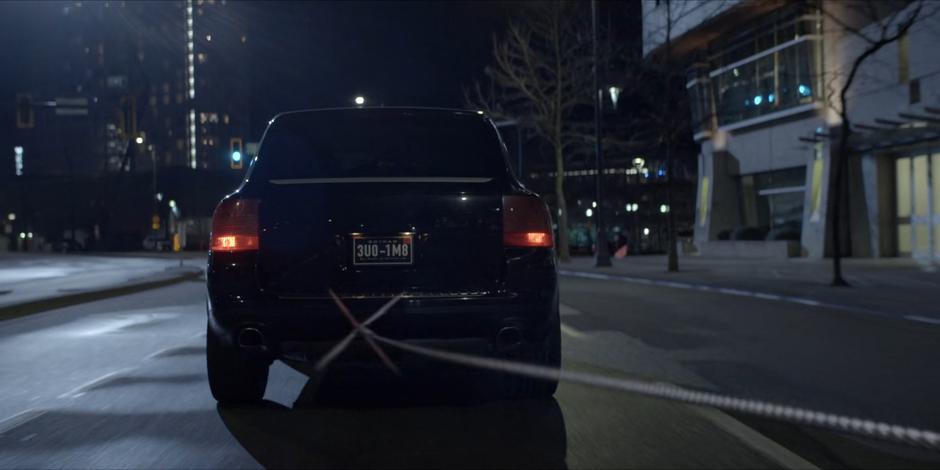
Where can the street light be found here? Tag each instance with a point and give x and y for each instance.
(602, 253)
(359, 100)
(139, 140)
(11, 217)
(614, 95)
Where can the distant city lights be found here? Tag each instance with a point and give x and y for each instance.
(18, 160)
(11, 217)
(589, 212)
(359, 100)
(663, 208)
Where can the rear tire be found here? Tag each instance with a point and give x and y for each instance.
(546, 353)
(233, 377)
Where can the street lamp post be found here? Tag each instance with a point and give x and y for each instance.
(602, 252)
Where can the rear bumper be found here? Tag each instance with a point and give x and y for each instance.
(305, 328)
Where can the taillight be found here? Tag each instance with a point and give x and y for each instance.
(526, 222)
(235, 226)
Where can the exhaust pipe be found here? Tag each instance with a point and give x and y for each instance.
(251, 340)
(508, 339)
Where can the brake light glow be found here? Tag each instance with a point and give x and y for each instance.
(235, 226)
(526, 223)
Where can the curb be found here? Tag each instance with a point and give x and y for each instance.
(36, 306)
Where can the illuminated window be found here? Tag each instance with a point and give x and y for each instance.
(770, 68)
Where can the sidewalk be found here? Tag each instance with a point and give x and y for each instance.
(896, 287)
(29, 278)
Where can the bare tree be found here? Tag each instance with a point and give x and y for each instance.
(667, 113)
(876, 24)
(542, 76)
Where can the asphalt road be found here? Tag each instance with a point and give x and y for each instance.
(121, 383)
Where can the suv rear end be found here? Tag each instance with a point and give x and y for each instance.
(370, 204)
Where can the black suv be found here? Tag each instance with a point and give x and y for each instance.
(370, 203)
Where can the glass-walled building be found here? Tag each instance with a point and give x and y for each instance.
(763, 81)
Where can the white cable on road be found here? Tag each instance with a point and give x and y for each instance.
(847, 424)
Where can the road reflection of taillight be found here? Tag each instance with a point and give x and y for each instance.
(526, 222)
(235, 226)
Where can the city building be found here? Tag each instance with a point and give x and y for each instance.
(125, 107)
(764, 79)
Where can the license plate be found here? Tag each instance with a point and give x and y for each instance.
(383, 250)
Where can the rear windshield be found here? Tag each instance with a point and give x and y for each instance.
(379, 143)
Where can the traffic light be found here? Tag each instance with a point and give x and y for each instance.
(25, 119)
(237, 153)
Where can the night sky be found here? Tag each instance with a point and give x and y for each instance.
(312, 54)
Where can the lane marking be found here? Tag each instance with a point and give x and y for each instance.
(383, 179)
(745, 293)
(20, 419)
(164, 351)
(566, 310)
(572, 332)
(918, 318)
(81, 389)
(762, 444)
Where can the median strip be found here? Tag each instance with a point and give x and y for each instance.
(36, 306)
